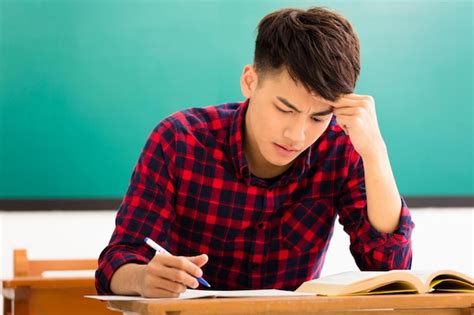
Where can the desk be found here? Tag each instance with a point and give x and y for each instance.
(432, 304)
(51, 296)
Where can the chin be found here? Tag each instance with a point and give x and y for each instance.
(278, 161)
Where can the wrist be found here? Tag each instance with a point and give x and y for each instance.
(378, 153)
(128, 279)
(139, 278)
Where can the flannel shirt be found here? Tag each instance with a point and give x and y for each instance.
(192, 192)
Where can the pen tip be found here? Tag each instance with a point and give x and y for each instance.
(204, 282)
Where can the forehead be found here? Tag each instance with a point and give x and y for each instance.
(280, 83)
(279, 77)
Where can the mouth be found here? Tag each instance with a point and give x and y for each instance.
(287, 149)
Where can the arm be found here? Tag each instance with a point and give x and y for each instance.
(370, 207)
(371, 248)
(127, 265)
(127, 279)
(383, 199)
(357, 117)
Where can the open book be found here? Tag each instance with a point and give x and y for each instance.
(384, 282)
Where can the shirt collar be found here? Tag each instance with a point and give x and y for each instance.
(236, 141)
(300, 165)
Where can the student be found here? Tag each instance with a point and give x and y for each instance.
(247, 193)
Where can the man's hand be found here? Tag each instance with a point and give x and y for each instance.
(163, 276)
(356, 116)
(168, 276)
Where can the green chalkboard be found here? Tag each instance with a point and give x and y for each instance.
(82, 83)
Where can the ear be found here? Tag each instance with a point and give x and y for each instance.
(248, 81)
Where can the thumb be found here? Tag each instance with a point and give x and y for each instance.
(199, 260)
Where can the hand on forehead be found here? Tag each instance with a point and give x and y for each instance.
(343, 101)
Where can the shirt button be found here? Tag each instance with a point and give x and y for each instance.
(261, 225)
(255, 266)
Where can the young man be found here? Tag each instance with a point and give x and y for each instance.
(247, 193)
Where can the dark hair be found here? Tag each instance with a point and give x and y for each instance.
(318, 47)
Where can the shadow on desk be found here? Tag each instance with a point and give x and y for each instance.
(29, 292)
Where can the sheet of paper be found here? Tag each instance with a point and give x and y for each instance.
(252, 293)
(194, 294)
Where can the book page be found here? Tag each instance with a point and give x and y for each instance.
(443, 278)
(444, 284)
(391, 288)
(424, 275)
(393, 281)
(363, 282)
(348, 277)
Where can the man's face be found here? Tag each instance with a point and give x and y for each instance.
(283, 119)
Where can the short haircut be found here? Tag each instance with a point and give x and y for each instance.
(318, 48)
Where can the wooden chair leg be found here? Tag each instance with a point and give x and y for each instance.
(21, 307)
(7, 306)
(16, 301)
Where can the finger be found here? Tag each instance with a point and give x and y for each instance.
(346, 102)
(159, 293)
(347, 111)
(355, 96)
(171, 286)
(199, 260)
(178, 275)
(181, 263)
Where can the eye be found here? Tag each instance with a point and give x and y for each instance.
(283, 111)
(315, 119)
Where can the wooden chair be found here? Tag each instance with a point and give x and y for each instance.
(23, 267)
(29, 292)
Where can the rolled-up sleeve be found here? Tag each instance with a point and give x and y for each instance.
(146, 210)
(371, 249)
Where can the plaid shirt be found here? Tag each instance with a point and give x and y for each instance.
(192, 192)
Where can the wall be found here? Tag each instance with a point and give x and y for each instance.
(442, 238)
(84, 82)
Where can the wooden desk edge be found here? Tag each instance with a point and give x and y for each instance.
(41, 282)
(416, 301)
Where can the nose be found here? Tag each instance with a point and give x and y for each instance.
(295, 133)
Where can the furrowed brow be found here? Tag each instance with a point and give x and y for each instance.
(323, 113)
(288, 104)
(293, 107)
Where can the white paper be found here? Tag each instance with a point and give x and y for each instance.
(193, 294)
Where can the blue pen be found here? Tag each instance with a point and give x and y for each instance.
(160, 249)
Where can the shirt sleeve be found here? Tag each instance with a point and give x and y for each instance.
(146, 209)
(371, 249)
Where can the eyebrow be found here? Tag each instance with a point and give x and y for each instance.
(293, 107)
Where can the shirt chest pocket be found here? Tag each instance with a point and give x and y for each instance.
(307, 225)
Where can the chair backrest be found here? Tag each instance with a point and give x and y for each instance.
(23, 267)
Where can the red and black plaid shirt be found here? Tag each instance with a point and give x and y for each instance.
(192, 192)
